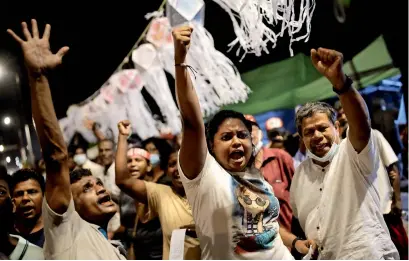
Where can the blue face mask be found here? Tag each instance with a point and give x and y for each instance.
(155, 160)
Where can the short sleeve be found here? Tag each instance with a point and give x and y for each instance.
(189, 183)
(366, 162)
(293, 191)
(153, 192)
(60, 230)
(386, 152)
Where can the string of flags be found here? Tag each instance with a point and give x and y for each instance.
(217, 81)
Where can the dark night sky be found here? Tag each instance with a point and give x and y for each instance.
(100, 35)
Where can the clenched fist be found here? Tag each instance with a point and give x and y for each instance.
(181, 39)
(124, 128)
(329, 63)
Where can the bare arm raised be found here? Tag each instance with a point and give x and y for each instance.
(329, 63)
(38, 59)
(193, 149)
(133, 187)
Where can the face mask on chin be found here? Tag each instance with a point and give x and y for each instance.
(327, 157)
(80, 159)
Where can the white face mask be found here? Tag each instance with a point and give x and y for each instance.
(259, 144)
(80, 159)
(327, 157)
(257, 148)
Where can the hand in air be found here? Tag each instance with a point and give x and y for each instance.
(124, 128)
(329, 63)
(37, 54)
(181, 39)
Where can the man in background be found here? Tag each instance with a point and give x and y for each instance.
(27, 192)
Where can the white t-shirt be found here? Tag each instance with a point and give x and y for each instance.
(235, 214)
(96, 169)
(68, 236)
(387, 157)
(25, 250)
(338, 206)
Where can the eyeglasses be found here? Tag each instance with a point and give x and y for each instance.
(259, 201)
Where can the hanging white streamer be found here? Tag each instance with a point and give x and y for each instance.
(217, 81)
(249, 18)
(145, 57)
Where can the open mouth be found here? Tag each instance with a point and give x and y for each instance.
(105, 200)
(27, 210)
(321, 146)
(237, 155)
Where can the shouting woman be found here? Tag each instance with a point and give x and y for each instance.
(235, 209)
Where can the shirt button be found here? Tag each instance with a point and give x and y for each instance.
(323, 170)
(322, 248)
(320, 189)
(318, 227)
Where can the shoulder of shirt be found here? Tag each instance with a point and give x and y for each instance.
(31, 246)
(93, 164)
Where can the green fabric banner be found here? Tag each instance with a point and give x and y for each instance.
(295, 81)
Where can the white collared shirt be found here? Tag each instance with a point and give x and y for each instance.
(339, 206)
(388, 157)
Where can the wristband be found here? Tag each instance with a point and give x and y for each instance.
(347, 86)
(184, 65)
(295, 241)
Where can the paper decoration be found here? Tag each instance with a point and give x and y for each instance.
(184, 11)
(140, 116)
(251, 20)
(126, 79)
(160, 33)
(217, 82)
(146, 58)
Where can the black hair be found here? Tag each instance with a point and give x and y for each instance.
(214, 124)
(78, 174)
(309, 109)
(107, 140)
(24, 175)
(5, 176)
(163, 147)
(253, 123)
(273, 133)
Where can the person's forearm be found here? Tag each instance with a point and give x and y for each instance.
(48, 130)
(395, 182)
(54, 150)
(188, 101)
(357, 114)
(121, 170)
(287, 237)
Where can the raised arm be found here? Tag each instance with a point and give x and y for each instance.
(132, 186)
(39, 59)
(329, 63)
(193, 149)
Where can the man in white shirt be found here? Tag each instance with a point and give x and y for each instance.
(333, 194)
(77, 207)
(388, 182)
